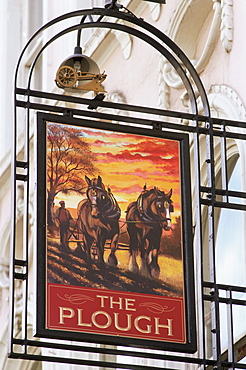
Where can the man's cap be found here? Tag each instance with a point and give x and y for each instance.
(62, 202)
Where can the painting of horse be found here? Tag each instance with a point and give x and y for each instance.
(98, 220)
(146, 218)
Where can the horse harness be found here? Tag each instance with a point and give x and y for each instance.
(155, 218)
(110, 208)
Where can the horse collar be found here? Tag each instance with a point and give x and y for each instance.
(141, 211)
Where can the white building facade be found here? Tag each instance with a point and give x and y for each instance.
(210, 33)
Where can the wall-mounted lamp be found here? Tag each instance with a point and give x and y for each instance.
(80, 72)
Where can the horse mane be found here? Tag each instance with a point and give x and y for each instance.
(145, 193)
(111, 208)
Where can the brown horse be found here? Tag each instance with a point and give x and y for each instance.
(146, 218)
(98, 220)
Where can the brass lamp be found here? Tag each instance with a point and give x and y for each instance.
(80, 72)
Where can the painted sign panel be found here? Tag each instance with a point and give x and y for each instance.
(114, 241)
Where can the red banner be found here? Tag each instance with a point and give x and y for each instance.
(116, 313)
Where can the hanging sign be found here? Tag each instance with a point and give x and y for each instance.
(114, 237)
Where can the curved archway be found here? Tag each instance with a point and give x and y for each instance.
(177, 58)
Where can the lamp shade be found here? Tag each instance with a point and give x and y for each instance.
(79, 71)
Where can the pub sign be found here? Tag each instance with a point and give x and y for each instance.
(114, 236)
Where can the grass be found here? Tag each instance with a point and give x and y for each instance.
(171, 269)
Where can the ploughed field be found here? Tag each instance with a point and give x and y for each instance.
(71, 268)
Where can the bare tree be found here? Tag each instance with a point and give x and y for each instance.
(69, 158)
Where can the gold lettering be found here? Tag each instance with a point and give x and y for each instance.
(116, 322)
(169, 326)
(80, 318)
(136, 324)
(102, 299)
(70, 315)
(112, 302)
(130, 303)
(105, 326)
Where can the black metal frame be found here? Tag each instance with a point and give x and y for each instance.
(207, 196)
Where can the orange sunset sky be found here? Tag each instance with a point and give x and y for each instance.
(126, 162)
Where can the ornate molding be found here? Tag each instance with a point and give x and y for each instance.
(226, 28)
(4, 274)
(211, 40)
(222, 24)
(155, 11)
(125, 42)
(115, 97)
(226, 99)
(171, 77)
(99, 35)
(164, 91)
